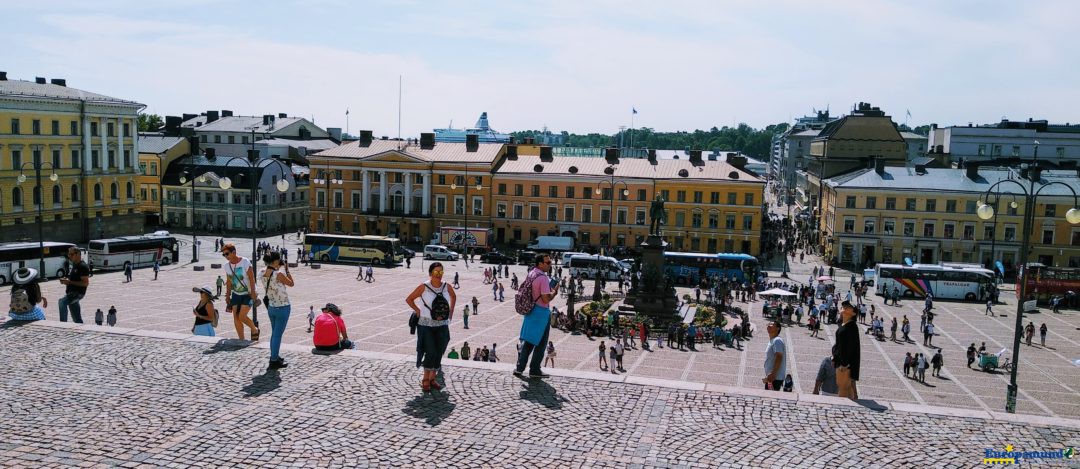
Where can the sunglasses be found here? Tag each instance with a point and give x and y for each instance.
(436, 272)
(226, 253)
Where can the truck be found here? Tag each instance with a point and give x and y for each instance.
(551, 244)
(473, 240)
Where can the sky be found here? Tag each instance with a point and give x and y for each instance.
(579, 66)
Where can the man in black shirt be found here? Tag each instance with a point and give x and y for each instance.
(77, 280)
(846, 353)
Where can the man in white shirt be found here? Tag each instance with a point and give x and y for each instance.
(775, 359)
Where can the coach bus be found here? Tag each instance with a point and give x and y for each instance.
(358, 249)
(14, 256)
(943, 281)
(135, 251)
(590, 266)
(689, 268)
(1044, 281)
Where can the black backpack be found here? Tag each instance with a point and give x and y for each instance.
(439, 307)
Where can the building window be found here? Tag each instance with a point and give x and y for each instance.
(871, 202)
(950, 231)
(56, 159)
(1050, 210)
(849, 224)
(969, 206)
(695, 220)
(909, 205)
(16, 197)
(519, 190)
(988, 231)
(356, 200)
(217, 138)
(586, 214)
(232, 139)
(890, 203)
(552, 212)
(111, 129)
(518, 210)
(849, 202)
(680, 196)
(729, 222)
(714, 219)
(680, 218)
(639, 216)
(606, 193)
(586, 193)
(1010, 232)
(665, 194)
(459, 205)
(56, 127)
(75, 193)
(889, 226)
(950, 206)
(868, 226)
(909, 228)
(748, 198)
(74, 127)
(35, 127)
(535, 190)
(605, 215)
(202, 138)
(748, 222)
(534, 212)
(244, 140)
(440, 204)
(320, 198)
(982, 150)
(553, 191)
(620, 216)
(714, 198)
(339, 199)
(16, 159)
(568, 213)
(1010, 210)
(928, 229)
(931, 205)
(996, 151)
(732, 198)
(969, 232)
(478, 206)
(1048, 236)
(502, 189)
(1016, 150)
(1060, 152)
(641, 195)
(570, 192)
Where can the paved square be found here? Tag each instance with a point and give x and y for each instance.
(376, 316)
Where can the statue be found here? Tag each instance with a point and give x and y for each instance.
(657, 215)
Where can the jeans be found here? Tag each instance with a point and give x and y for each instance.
(279, 318)
(432, 342)
(71, 301)
(465, 319)
(537, 352)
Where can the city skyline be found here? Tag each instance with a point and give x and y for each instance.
(579, 68)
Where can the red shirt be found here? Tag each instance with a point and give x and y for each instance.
(327, 327)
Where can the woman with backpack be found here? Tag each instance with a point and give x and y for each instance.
(25, 296)
(433, 315)
(206, 317)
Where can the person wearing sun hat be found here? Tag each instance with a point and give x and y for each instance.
(25, 296)
(206, 316)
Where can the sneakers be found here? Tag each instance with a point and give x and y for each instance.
(518, 374)
(276, 364)
(539, 375)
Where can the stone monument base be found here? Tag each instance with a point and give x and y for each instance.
(653, 297)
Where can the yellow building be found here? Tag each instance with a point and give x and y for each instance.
(522, 191)
(86, 139)
(928, 215)
(156, 152)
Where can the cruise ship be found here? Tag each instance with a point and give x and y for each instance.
(482, 129)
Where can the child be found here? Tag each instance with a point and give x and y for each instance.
(310, 316)
(788, 383)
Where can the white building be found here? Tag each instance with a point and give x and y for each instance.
(1006, 139)
(791, 151)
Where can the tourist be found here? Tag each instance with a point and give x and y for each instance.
(110, 318)
(465, 351)
(359, 271)
(240, 291)
(76, 283)
(971, 354)
(825, 382)
(1029, 331)
(127, 272)
(157, 267)
(920, 359)
(620, 350)
(775, 358)
(99, 317)
(310, 317)
(603, 359)
(278, 306)
(465, 316)
(370, 272)
(494, 356)
(205, 314)
(535, 326)
(433, 331)
(485, 354)
(892, 329)
(453, 354)
(475, 306)
(906, 329)
(989, 308)
(27, 303)
(494, 291)
(908, 360)
(456, 284)
(937, 361)
(789, 383)
(1042, 334)
(502, 292)
(928, 334)
(220, 283)
(847, 354)
(614, 356)
(330, 333)
(550, 357)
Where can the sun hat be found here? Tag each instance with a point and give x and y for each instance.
(25, 275)
(204, 289)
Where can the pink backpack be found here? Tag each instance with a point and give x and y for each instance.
(524, 300)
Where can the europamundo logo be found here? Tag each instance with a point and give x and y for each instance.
(1009, 456)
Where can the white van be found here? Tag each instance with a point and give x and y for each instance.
(567, 255)
(439, 252)
(590, 266)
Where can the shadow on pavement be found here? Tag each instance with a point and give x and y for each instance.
(11, 324)
(872, 405)
(538, 391)
(432, 407)
(262, 384)
(227, 345)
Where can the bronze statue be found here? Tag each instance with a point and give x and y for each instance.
(657, 215)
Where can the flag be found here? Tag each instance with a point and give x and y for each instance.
(346, 111)
(909, 113)
(634, 110)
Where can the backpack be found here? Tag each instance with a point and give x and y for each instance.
(439, 307)
(523, 300)
(20, 300)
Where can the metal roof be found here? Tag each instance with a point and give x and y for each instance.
(23, 88)
(312, 145)
(950, 180)
(627, 168)
(156, 142)
(241, 124)
(442, 152)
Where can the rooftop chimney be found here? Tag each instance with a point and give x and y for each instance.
(545, 154)
(512, 140)
(511, 152)
(879, 166)
(427, 140)
(611, 154)
(365, 138)
(189, 116)
(172, 126)
(334, 133)
(226, 113)
(58, 81)
(972, 171)
(267, 119)
(652, 155)
(920, 169)
(211, 153)
(737, 161)
(282, 115)
(39, 80)
(211, 116)
(695, 158)
(472, 142)
(3, 76)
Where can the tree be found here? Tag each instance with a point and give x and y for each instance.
(150, 122)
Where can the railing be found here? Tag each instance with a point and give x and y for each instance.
(233, 206)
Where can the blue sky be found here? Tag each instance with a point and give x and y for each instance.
(577, 66)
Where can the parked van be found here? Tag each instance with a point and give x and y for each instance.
(439, 252)
(551, 244)
(590, 266)
(567, 255)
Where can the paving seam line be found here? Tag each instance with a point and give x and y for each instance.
(1023, 419)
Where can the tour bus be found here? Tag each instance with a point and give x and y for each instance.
(589, 266)
(14, 256)
(689, 268)
(1045, 281)
(136, 251)
(359, 249)
(944, 281)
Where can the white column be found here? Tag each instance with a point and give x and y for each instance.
(103, 132)
(135, 144)
(120, 144)
(383, 186)
(427, 194)
(87, 148)
(365, 187)
(408, 193)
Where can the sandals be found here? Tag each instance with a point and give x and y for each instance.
(255, 335)
(425, 386)
(435, 386)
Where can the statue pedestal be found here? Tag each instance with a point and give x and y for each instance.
(655, 296)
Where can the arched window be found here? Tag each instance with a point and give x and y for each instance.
(114, 191)
(74, 192)
(16, 197)
(97, 192)
(37, 195)
(130, 190)
(56, 197)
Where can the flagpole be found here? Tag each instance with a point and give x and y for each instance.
(346, 121)
(632, 127)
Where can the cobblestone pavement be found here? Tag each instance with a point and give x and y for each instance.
(376, 317)
(83, 397)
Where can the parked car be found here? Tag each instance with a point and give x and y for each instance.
(526, 257)
(435, 251)
(496, 257)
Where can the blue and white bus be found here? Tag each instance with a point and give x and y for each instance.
(689, 268)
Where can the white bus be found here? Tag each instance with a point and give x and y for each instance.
(14, 256)
(588, 266)
(361, 249)
(136, 251)
(944, 281)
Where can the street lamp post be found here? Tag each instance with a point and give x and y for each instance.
(37, 164)
(190, 174)
(612, 183)
(327, 178)
(986, 212)
(465, 207)
(252, 162)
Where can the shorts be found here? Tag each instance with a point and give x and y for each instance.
(241, 299)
